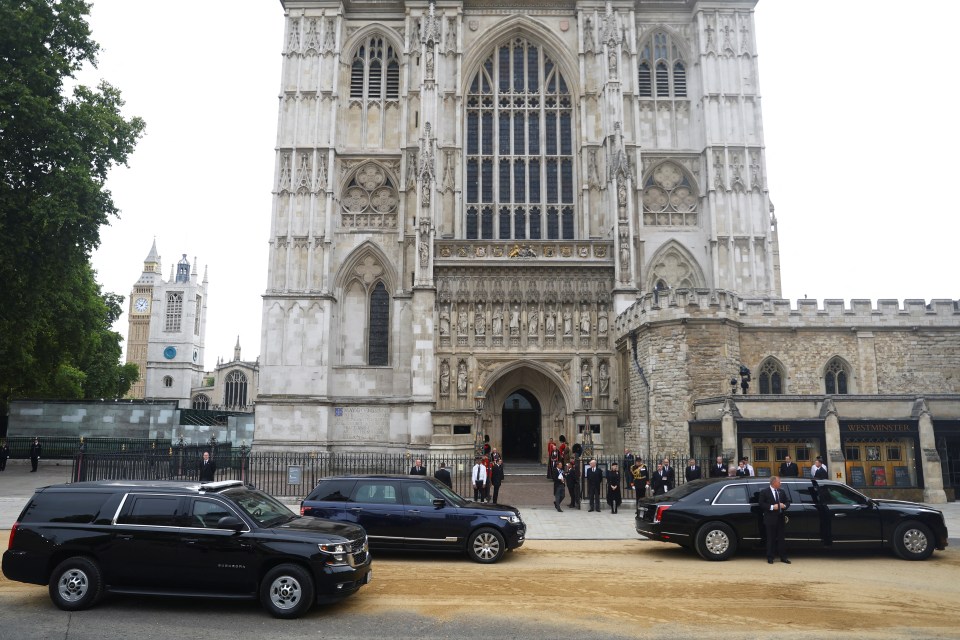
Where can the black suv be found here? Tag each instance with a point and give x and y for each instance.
(417, 513)
(217, 539)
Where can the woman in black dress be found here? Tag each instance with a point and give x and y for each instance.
(614, 494)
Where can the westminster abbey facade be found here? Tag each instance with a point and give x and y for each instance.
(558, 207)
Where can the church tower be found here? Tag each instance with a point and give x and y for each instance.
(466, 196)
(177, 325)
(139, 315)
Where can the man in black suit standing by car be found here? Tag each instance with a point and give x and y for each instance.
(671, 475)
(719, 470)
(773, 503)
(418, 469)
(496, 473)
(789, 469)
(443, 475)
(692, 472)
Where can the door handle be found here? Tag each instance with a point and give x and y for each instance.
(414, 511)
(839, 515)
(124, 537)
(191, 540)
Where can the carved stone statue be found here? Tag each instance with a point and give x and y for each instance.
(444, 378)
(533, 322)
(588, 35)
(515, 320)
(586, 380)
(462, 378)
(462, 321)
(604, 379)
(551, 322)
(567, 323)
(444, 321)
(584, 321)
(479, 321)
(602, 320)
(498, 321)
(424, 254)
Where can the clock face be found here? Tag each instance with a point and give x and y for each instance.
(141, 304)
(170, 353)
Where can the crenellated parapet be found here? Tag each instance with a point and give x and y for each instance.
(857, 314)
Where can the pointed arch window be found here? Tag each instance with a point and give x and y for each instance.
(378, 339)
(375, 71)
(661, 55)
(201, 401)
(235, 390)
(167, 381)
(771, 377)
(836, 377)
(520, 177)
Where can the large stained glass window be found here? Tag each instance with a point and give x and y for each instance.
(519, 159)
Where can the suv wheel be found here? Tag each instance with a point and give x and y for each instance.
(286, 591)
(913, 541)
(75, 584)
(716, 541)
(486, 546)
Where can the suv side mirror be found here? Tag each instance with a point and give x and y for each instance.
(229, 522)
(439, 502)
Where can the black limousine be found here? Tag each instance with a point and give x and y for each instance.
(715, 517)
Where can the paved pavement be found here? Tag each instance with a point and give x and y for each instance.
(530, 493)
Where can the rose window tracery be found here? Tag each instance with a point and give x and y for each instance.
(370, 200)
(669, 198)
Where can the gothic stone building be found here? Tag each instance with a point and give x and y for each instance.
(536, 202)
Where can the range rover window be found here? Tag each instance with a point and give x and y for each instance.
(64, 506)
(206, 514)
(734, 494)
(376, 492)
(418, 494)
(154, 511)
(333, 491)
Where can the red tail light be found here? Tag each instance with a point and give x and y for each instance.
(659, 515)
(13, 532)
(303, 510)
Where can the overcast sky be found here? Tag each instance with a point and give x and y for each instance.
(859, 116)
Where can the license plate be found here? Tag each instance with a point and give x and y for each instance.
(369, 577)
(641, 511)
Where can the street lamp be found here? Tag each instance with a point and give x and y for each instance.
(586, 398)
(478, 399)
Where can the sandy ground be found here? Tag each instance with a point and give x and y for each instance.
(642, 589)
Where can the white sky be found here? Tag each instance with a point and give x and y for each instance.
(859, 120)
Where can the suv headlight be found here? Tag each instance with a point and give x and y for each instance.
(336, 551)
(514, 519)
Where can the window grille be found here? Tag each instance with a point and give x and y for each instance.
(174, 312)
(235, 390)
(771, 378)
(662, 71)
(379, 326)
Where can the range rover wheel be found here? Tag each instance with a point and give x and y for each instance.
(913, 541)
(75, 584)
(486, 546)
(716, 541)
(287, 591)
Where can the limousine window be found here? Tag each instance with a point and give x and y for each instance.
(154, 511)
(834, 494)
(734, 494)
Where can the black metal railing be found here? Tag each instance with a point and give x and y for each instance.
(279, 474)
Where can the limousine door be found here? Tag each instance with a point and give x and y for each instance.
(847, 517)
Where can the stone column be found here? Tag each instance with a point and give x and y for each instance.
(728, 429)
(834, 451)
(933, 492)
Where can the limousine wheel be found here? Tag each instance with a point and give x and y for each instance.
(286, 591)
(913, 541)
(716, 541)
(75, 584)
(486, 546)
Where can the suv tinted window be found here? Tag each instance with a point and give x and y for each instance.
(333, 491)
(376, 492)
(156, 511)
(206, 513)
(419, 494)
(64, 506)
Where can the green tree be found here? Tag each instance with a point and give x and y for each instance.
(55, 153)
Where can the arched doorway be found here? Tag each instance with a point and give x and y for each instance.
(521, 427)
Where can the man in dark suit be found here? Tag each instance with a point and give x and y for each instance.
(671, 475)
(789, 469)
(418, 469)
(692, 472)
(443, 475)
(773, 502)
(496, 472)
(207, 468)
(819, 471)
(35, 449)
(592, 478)
(719, 470)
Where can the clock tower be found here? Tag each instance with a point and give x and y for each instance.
(139, 315)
